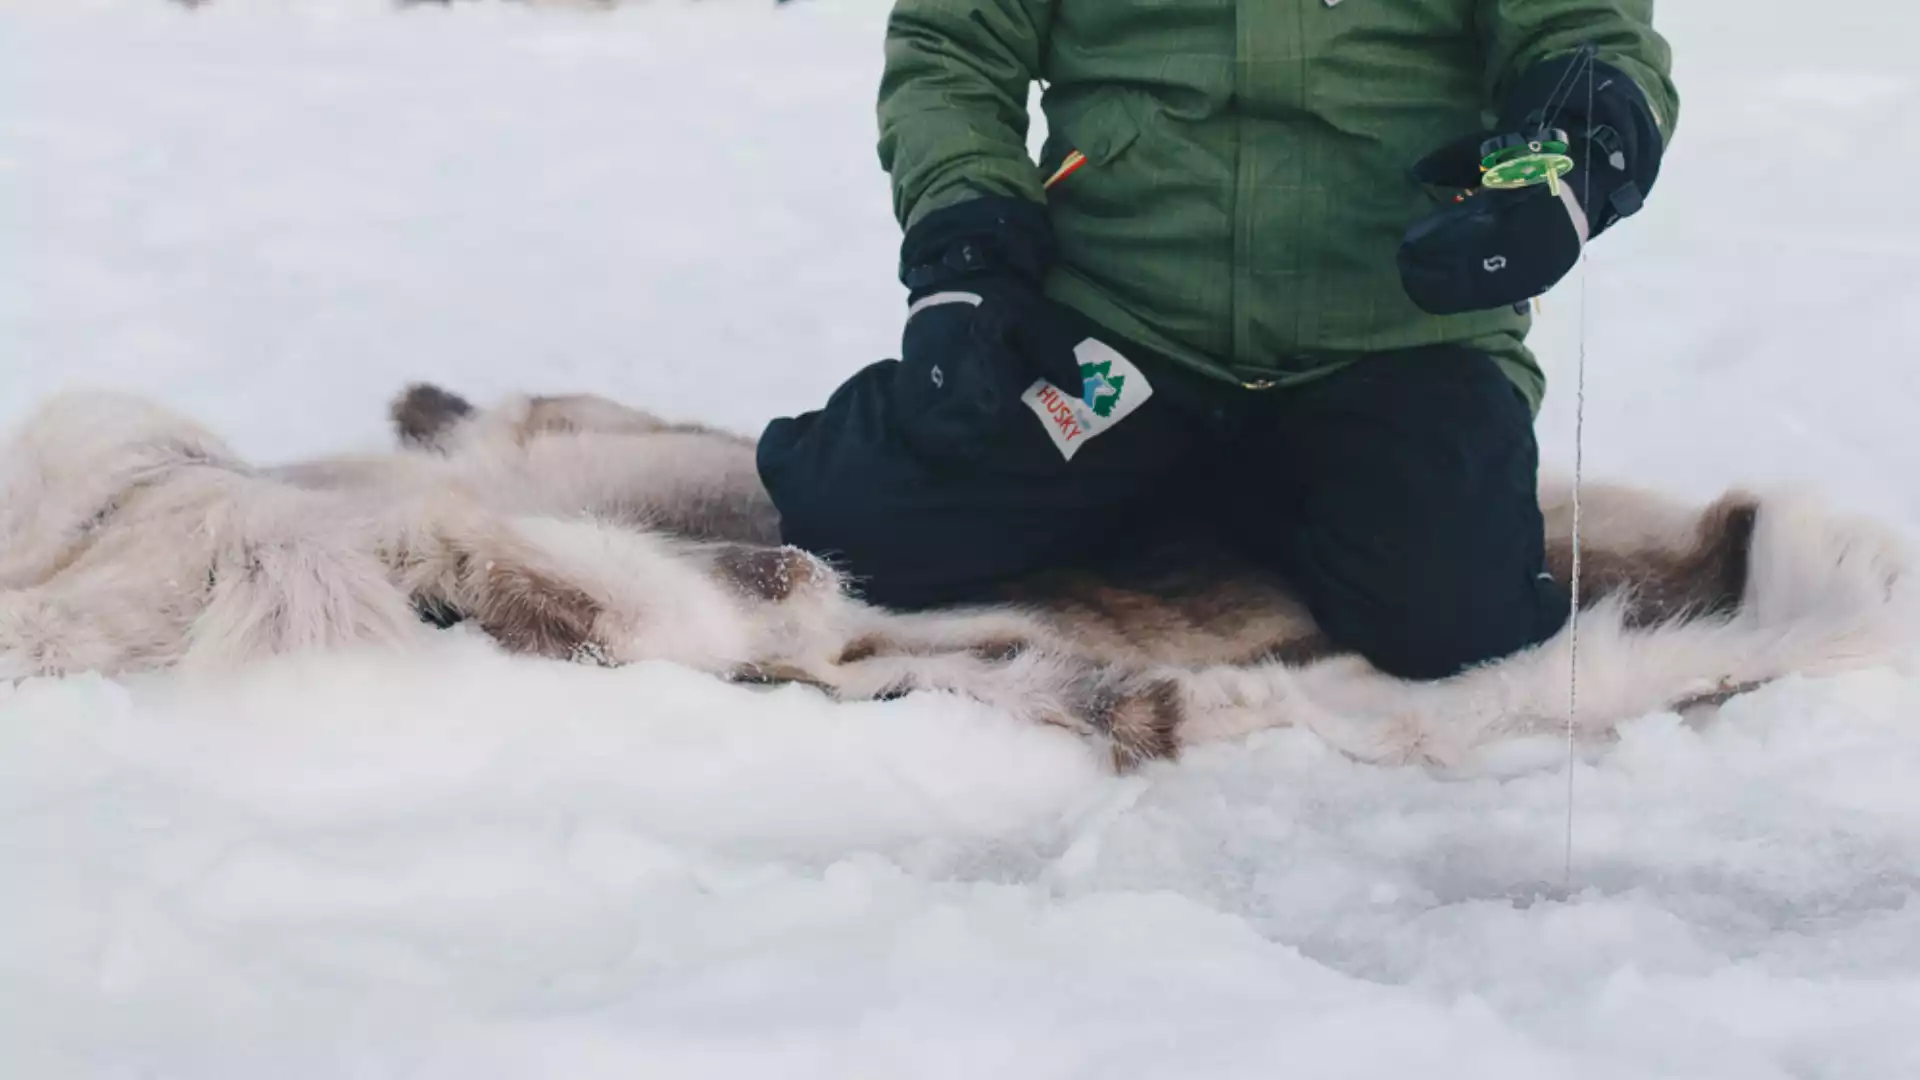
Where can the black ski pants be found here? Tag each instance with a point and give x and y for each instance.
(1397, 496)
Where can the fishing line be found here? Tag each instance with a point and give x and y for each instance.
(1540, 154)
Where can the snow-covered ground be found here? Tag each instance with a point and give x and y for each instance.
(271, 214)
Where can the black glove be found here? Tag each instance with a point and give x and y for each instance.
(979, 330)
(1495, 248)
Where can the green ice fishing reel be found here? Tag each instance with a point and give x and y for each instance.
(1510, 162)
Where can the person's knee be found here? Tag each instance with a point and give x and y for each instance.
(811, 486)
(903, 534)
(830, 503)
(1423, 552)
(1444, 623)
(1427, 596)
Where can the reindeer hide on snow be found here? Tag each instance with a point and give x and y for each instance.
(579, 529)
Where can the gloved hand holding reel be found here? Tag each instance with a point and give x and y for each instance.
(1525, 205)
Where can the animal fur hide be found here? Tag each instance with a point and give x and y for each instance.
(580, 529)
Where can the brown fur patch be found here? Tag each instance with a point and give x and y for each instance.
(764, 573)
(1294, 652)
(424, 412)
(862, 648)
(1143, 725)
(999, 650)
(1717, 698)
(776, 675)
(550, 416)
(1702, 581)
(529, 612)
(1210, 608)
(992, 650)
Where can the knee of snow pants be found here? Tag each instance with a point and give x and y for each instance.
(915, 527)
(1410, 518)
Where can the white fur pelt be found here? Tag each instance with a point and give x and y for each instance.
(131, 539)
(578, 528)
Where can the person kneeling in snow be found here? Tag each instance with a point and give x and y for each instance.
(1223, 297)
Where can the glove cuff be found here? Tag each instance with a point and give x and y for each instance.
(991, 235)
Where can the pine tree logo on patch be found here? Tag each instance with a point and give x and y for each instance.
(1101, 387)
(1111, 387)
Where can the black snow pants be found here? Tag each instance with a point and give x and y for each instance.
(1397, 496)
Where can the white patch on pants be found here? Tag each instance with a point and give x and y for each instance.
(1113, 389)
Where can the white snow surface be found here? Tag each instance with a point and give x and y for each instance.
(271, 214)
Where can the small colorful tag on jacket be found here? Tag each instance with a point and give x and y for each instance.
(1112, 388)
(1067, 168)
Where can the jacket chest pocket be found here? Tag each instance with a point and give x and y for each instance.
(1083, 141)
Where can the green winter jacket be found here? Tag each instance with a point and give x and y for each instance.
(1247, 183)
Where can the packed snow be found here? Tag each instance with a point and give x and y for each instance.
(272, 214)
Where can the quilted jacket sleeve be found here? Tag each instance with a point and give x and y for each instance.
(953, 101)
(1522, 33)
